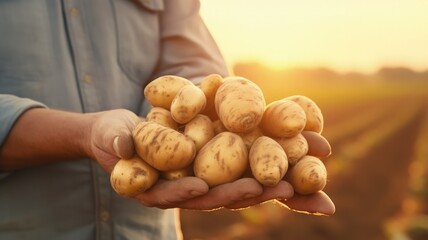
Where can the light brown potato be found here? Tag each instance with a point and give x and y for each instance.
(218, 127)
(250, 137)
(314, 117)
(177, 174)
(163, 148)
(283, 118)
(295, 147)
(223, 159)
(309, 175)
(200, 129)
(161, 116)
(209, 86)
(239, 104)
(188, 102)
(132, 176)
(161, 91)
(268, 161)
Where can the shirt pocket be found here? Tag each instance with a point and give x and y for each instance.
(138, 37)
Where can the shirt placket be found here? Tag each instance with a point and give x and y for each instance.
(82, 53)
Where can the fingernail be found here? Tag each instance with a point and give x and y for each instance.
(116, 146)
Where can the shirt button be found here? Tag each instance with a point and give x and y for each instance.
(73, 11)
(87, 79)
(104, 216)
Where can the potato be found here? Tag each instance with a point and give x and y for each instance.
(268, 161)
(283, 118)
(177, 174)
(295, 147)
(163, 148)
(209, 86)
(250, 137)
(132, 176)
(239, 104)
(161, 91)
(309, 175)
(188, 102)
(223, 159)
(218, 127)
(200, 129)
(314, 117)
(161, 116)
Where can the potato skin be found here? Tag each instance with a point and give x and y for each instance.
(161, 91)
(218, 127)
(283, 118)
(188, 102)
(161, 116)
(177, 174)
(314, 117)
(239, 104)
(209, 86)
(223, 159)
(268, 161)
(132, 176)
(309, 175)
(200, 129)
(250, 137)
(161, 147)
(295, 147)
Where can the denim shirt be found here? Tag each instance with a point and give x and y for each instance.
(87, 56)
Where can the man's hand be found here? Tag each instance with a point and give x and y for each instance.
(111, 139)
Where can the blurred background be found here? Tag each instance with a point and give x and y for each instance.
(366, 65)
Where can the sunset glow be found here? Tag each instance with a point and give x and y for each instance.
(343, 35)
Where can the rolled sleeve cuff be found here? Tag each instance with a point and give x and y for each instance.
(11, 108)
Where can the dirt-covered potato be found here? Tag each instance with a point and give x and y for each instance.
(268, 161)
(132, 176)
(295, 147)
(163, 148)
(200, 129)
(161, 116)
(283, 118)
(309, 175)
(161, 91)
(188, 102)
(314, 117)
(239, 104)
(223, 159)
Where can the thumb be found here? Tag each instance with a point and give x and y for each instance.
(123, 146)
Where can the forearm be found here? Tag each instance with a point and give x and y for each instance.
(43, 136)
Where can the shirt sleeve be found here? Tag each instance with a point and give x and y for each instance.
(187, 47)
(11, 108)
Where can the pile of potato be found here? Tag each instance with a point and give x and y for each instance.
(221, 131)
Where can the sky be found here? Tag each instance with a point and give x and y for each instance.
(345, 35)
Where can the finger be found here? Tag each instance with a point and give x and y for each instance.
(317, 204)
(318, 145)
(124, 145)
(225, 194)
(166, 194)
(283, 190)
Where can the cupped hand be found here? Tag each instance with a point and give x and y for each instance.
(194, 193)
(318, 203)
(111, 139)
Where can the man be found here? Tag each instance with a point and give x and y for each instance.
(71, 80)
